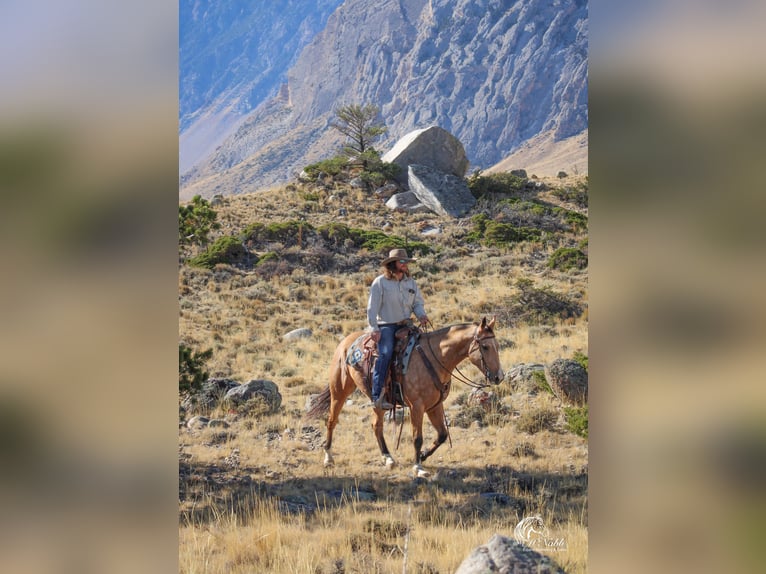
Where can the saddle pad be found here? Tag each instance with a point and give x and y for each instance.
(355, 353)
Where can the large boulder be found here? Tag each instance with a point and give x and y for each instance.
(568, 380)
(502, 555)
(264, 388)
(432, 147)
(441, 192)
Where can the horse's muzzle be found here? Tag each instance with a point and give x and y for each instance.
(496, 378)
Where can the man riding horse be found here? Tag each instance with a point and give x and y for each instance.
(394, 298)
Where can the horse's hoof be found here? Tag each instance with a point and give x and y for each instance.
(389, 461)
(420, 472)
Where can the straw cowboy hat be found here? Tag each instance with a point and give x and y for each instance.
(395, 254)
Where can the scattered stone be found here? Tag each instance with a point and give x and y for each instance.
(302, 333)
(197, 422)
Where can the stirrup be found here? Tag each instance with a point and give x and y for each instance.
(382, 403)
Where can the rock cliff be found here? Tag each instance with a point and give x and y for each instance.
(495, 73)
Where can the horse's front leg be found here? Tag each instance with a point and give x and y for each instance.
(377, 426)
(416, 419)
(436, 416)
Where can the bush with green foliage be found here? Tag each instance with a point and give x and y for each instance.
(191, 369)
(498, 234)
(226, 249)
(566, 258)
(195, 221)
(577, 420)
(577, 194)
(293, 232)
(581, 358)
(333, 166)
(495, 183)
(376, 172)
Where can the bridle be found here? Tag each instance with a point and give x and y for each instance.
(475, 340)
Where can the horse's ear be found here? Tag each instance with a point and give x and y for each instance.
(491, 323)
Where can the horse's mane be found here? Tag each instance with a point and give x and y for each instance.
(443, 330)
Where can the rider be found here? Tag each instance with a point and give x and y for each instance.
(394, 297)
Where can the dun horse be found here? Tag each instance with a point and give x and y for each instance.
(424, 388)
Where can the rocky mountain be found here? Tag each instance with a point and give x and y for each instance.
(494, 73)
(233, 55)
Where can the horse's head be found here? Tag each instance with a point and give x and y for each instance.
(484, 352)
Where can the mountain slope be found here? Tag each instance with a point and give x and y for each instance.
(494, 73)
(233, 57)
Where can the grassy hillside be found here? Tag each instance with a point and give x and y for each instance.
(254, 496)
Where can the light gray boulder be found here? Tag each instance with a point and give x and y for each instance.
(302, 333)
(406, 201)
(432, 147)
(441, 192)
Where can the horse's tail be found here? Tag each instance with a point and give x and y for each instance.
(320, 405)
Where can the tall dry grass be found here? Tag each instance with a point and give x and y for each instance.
(254, 497)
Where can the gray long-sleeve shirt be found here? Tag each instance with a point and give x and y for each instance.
(392, 301)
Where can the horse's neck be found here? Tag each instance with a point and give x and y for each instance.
(454, 345)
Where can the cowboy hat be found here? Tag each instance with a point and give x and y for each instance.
(395, 254)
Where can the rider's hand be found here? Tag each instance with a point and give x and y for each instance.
(376, 336)
(423, 320)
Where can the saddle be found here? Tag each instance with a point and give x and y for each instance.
(363, 353)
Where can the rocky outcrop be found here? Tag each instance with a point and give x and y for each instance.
(432, 147)
(442, 193)
(502, 555)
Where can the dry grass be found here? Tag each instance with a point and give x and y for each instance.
(255, 497)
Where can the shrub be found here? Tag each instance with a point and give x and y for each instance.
(537, 419)
(498, 234)
(503, 234)
(566, 258)
(377, 172)
(541, 382)
(226, 249)
(293, 232)
(577, 420)
(195, 221)
(333, 166)
(540, 305)
(496, 183)
(191, 369)
(581, 358)
(577, 194)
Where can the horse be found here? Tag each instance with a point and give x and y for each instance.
(424, 388)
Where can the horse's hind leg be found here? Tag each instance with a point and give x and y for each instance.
(436, 416)
(336, 405)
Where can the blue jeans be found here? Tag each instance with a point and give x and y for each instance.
(385, 352)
